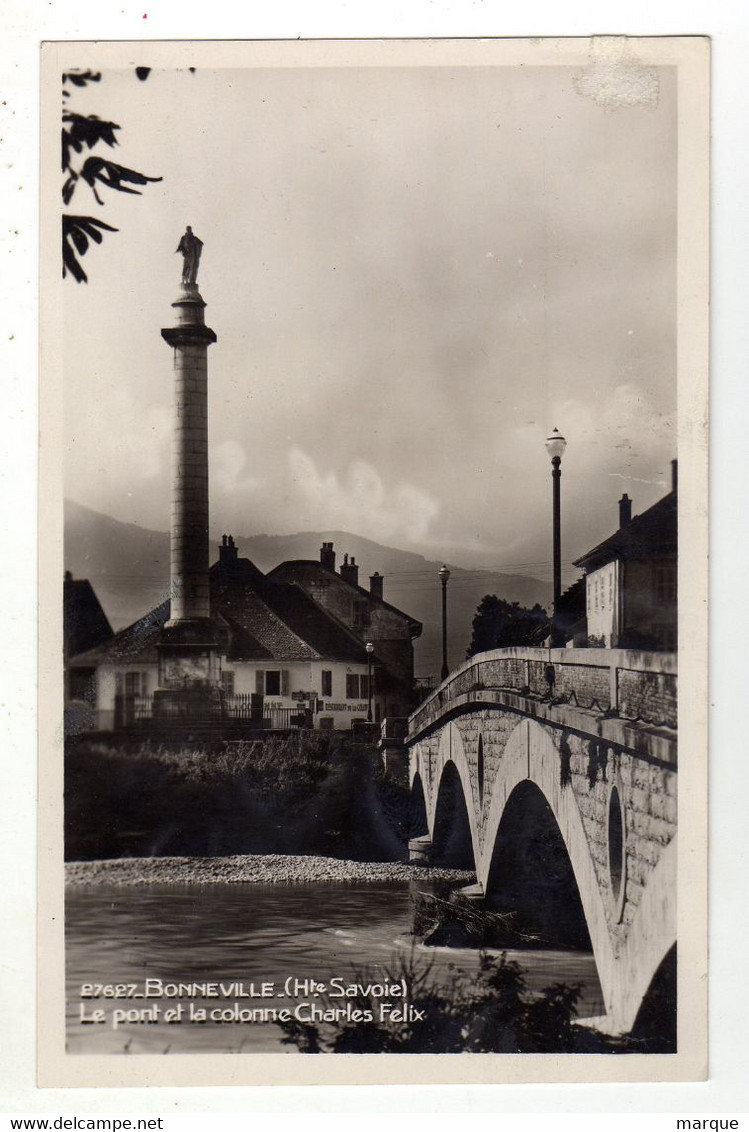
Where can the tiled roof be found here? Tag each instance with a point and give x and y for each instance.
(649, 535)
(262, 619)
(134, 645)
(323, 631)
(263, 632)
(313, 571)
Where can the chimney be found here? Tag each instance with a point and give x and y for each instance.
(375, 585)
(227, 552)
(350, 571)
(674, 475)
(327, 556)
(625, 510)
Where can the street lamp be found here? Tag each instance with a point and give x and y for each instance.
(370, 649)
(444, 575)
(555, 446)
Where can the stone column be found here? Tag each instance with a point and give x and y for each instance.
(189, 660)
(190, 339)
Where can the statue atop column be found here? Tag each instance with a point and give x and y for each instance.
(190, 247)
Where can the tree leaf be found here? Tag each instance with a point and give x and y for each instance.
(69, 188)
(81, 78)
(113, 175)
(76, 233)
(84, 131)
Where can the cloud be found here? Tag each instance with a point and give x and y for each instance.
(627, 420)
(228, 461)
(360, 500)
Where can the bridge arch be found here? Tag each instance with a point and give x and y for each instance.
(452, 753)
(627, 950)
(626, 964)
(600, 760)
(531, 872)
(452, 837)
(530, 755)
(418, 822)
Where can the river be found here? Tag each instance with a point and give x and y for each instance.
(246, 934)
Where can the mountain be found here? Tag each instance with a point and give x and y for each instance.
(128, 567)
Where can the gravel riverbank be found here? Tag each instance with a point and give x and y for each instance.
(249, 869)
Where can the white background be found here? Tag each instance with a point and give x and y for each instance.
(25, 25)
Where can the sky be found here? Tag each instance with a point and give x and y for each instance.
(414, 274)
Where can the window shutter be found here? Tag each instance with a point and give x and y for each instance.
(284, 682)
(259, 681)
(352, 686)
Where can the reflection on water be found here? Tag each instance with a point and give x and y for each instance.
(249, 934)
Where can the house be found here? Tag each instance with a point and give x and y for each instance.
(631, 579)
(84, 626)
(366, 614)
(286, 658)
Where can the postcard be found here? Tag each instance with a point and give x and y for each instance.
(373, 575)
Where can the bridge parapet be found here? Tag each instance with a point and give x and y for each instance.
(635, 686)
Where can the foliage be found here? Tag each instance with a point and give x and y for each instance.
(499, 623)
(489, 1012)
(82, 133)
(306, 792)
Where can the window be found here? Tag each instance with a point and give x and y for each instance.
(227, 683)
(357, 687)
(665, 582)
(327, 682)
(272, 683)
(361, 614)
(135, 683)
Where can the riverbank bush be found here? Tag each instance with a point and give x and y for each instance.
(491, 1012)
(305, 792)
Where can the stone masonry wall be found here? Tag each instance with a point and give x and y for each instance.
(632, 685)
(649, 696)
(590, 770)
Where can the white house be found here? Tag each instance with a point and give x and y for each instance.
(631, 579)
(285, 658)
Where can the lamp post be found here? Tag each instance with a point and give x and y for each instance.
(555, 446)
(370, 649)
(444, 575)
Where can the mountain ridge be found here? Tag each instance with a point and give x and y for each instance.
(128, 566)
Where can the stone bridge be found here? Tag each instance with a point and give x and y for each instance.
(553, 773)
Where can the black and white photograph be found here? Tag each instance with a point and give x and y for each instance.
(374, 448)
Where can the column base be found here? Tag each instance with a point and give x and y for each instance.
(197, 703)
(189, 655)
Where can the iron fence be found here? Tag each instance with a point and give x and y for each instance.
(138, 711)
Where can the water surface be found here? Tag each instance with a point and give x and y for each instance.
(250, 934)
